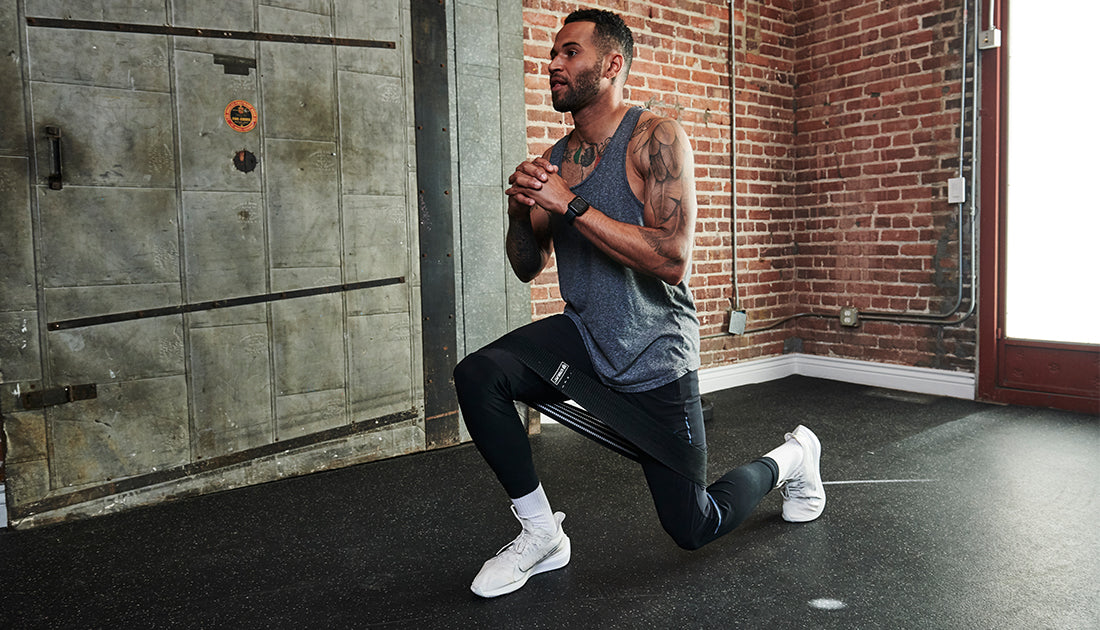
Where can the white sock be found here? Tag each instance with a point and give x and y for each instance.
(788, 457)
(534, 508)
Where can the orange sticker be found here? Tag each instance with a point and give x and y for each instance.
(240, 116)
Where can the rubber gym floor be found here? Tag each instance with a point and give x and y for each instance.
(942, 513)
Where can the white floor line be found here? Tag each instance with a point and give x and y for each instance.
(857, 481)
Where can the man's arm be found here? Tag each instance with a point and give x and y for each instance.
(528, 243)
(660, 157)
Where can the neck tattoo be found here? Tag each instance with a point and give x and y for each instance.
(588, 154)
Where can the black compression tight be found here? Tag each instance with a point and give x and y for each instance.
(489, 380)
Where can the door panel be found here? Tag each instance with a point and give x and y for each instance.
(110, 137)
(206, 143)
(1049, 367)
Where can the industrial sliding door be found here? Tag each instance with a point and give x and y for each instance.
(223, 234)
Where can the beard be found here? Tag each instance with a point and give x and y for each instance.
(584, 89)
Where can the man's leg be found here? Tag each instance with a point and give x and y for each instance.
(693, 515)
(488, 383)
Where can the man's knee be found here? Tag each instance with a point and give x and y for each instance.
(682, 525)
(685, 537)
(465, 373)
(474, 372)
(682, 506)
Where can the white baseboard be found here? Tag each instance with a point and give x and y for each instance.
(899, 377)
(747, 373)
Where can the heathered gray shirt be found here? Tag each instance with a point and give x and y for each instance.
(640, 332)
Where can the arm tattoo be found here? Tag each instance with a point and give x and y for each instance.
(664, 151)
(524, 252)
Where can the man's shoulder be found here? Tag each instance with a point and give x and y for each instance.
(647, 120)
(650, 124)
(655, 134)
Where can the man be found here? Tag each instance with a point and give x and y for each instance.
(615, 200)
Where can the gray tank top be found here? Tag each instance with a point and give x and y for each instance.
(640, 332)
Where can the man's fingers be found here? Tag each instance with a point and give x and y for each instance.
(519, 194)
(525, 180)
(545, 165)
(534, 169)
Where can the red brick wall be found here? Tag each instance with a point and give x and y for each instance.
(877, 114)
(847, 122)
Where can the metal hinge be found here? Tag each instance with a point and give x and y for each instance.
(235, 65)
(56, 396)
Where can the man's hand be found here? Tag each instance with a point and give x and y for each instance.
(536, 182)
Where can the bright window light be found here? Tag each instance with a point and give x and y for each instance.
(1053, 213)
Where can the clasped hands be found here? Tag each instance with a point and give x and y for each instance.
(536, 182)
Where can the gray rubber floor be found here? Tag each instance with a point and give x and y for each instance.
(941, 513)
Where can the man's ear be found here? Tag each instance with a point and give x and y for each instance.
(614, 67)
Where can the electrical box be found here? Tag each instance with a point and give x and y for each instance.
(989, 39)
(737, 322)
(956, 190)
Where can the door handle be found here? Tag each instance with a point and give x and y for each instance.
(54, 135)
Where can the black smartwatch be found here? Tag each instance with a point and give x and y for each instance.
(576, 208)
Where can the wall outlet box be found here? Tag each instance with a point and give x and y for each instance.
(737, 322)
(956, 190)
(989, 39)
(849, 316)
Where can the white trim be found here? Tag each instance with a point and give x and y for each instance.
(3, 506)
(899, 377)
(747, 373)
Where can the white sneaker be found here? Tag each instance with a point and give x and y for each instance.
(533, 551)
(803, 492)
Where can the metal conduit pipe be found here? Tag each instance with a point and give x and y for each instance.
(736, 299)
(928, 318)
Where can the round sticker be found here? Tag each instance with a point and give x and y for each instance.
(240, 116)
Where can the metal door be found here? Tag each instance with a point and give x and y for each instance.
(224, 242)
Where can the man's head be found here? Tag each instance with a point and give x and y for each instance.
(611, 34)
(591, 52)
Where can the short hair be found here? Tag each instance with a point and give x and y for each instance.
(611, 33)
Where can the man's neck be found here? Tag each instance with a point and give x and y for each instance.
(599, 120)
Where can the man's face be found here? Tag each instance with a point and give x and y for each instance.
(576, 67)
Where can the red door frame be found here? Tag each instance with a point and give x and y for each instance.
(1043, 374)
